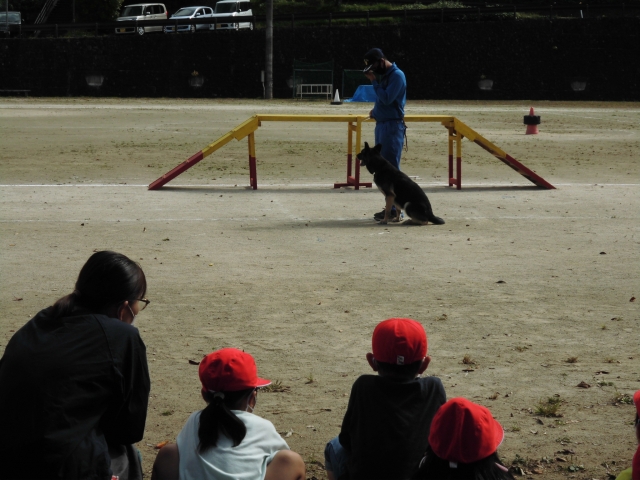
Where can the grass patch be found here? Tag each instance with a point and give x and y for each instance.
(622, 399)
(276, 387)
(467, 360)
(572, 360)
(549, 408)
(604, 383)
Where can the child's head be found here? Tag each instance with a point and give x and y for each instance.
(229, 370)
(399, 348)
(230, 381)
(463, 444)
(464, 432)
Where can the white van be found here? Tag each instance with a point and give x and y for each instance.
(237, 8)
(142, 12)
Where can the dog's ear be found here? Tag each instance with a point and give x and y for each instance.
(377, 148)
(366, 146)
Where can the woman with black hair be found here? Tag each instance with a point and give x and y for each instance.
(226, 441)
(74, 382)
(463, 444)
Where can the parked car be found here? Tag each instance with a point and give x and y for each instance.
(7, 19)
(142, 12)
(190, 12)
(237, 8)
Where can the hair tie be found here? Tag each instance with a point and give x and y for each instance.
(219, 395)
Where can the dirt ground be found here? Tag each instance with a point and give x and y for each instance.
(524, 293)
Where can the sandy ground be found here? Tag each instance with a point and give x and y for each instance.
(524, 293)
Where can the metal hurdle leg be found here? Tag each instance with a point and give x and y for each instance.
(456, 137)
(459, 161)
(353, 180)
(349, 148)
(450, 157)
(253, 171)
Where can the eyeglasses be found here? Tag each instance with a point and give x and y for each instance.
(145, 301)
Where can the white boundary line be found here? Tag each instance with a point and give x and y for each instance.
(263, 185)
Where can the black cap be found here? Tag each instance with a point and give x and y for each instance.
(371, 57)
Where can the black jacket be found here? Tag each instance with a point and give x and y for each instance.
(386, 427)
(68, 387)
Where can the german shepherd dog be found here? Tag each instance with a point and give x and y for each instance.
(398, 189)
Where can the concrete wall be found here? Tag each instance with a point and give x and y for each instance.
(525, 59)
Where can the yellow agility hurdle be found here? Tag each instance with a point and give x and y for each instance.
(457, 132)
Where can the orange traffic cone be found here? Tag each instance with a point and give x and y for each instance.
(532, 121)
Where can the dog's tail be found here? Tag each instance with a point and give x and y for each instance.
(422, 213)
(432, 218)
(436, 220)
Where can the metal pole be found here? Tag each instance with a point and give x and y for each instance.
(6, 18)
(269, 51)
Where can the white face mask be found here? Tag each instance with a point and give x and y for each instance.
(134, 316)
(248, 405)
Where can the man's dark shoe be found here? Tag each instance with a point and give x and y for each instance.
(380, 215)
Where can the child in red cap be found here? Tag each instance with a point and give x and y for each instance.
(226, 441)
(633, 473)
(386, 427)
(463, 444)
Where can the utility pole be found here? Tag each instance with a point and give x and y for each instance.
(269, 52)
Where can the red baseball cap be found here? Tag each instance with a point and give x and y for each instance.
(229, 370)
(399, 341)
(636, 401)
(464, 432)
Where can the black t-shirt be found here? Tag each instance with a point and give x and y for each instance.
(386, 427)
(69, 386)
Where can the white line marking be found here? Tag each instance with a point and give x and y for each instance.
(297, 185)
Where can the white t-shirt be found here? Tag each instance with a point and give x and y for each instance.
(247, 461)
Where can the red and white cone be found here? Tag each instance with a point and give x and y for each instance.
(532, 121)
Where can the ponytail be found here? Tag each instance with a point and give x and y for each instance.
(218, 418)
(65, 305)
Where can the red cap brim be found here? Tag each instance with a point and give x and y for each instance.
(262, 382)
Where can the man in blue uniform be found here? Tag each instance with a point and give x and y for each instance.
(388, 111)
